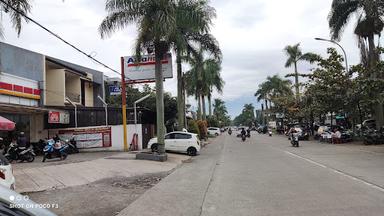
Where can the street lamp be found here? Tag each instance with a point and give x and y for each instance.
(105, 107)
(334, 42)
(75, 105)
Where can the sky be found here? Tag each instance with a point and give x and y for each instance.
(252, 35)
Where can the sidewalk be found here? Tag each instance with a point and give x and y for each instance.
(33, 179)
(183, 191)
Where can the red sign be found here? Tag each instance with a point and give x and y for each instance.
(53, 117)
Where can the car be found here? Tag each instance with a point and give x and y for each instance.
(6, 173)
(12, 203)
(178, 141)
(214, 131)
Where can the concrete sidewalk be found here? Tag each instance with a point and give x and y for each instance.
(182, 192)
(33, 179)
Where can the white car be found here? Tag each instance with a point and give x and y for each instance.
(178, 141)
(6, 174)
(214, 131)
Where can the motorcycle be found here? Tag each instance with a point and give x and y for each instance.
(14, 153)
(243, 137)
(229, 132)
(270, 133)
(51, 150)
(72, 146)
(295, 140)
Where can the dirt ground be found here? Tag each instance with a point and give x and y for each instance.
(104, 197)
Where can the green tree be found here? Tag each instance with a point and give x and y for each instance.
(220, 113)
(329, 86)
(369, 15)
(157, 26)
(186, 37)
(247, 116)
(212, 79)
(23, 6)
(295, 55)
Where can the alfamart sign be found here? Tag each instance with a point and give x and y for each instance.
(145, 68)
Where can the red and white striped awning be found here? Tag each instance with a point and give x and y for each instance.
(6, 125)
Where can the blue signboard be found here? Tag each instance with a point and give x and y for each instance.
(114, 90)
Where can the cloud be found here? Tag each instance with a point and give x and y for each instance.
(252, 35)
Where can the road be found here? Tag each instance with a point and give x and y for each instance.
(265, 176)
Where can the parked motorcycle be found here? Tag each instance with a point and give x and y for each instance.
(295, 140)
(243, 137)
(14, 153)
(55, 150)
(373, 137)
(72, 146)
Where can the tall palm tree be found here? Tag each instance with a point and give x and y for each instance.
(212, 79)
(278, 86)
(156, 22)
(23, 6)
(197, 79)
(262, 94)
(186, 37)
(295, 55)
(369, 23)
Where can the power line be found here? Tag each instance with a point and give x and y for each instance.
(58, 37)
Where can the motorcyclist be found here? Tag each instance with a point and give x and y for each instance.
(248, 132)
(243, 132)
(21, 142)
(229, 131)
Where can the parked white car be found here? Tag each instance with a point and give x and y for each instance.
(214, 131)
(6, 175)
(178, 141)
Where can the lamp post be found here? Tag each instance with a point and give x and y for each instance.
(105, 107)
(334, 42)
(75, 105)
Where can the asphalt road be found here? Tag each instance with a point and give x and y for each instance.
(265, 176)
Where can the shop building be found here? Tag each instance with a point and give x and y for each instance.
(33, 85)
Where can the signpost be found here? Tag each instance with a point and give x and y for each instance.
(114, 90)
(144, 70)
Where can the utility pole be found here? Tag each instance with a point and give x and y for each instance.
(124, 105)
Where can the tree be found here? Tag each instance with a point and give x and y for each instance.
(204, 74)
(329, 87)
(295, 55)
(212, 79)
(157, 26)
(186, 36)
(247, 116)
(369, 24)
(220, 113)
(24, 6)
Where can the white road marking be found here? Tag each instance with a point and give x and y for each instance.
(337, 171)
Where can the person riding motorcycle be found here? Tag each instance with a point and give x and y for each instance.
(243, 132)
(248, 132)
(21, 142)
(229, 131)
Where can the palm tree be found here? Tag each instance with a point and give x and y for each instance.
(295, 55)
(156, 21)
(202, 77)
(24, 6)
(262, 93)
(278, 86)
(212, 79)
(369, 22)
(186, 37)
